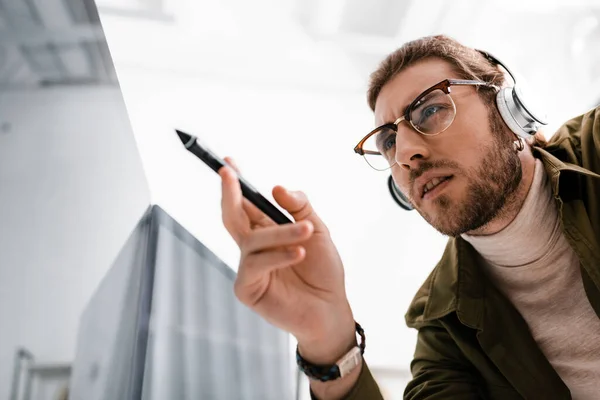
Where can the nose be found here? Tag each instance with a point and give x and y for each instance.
(411, 147)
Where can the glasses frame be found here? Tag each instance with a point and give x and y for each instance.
(445, 87)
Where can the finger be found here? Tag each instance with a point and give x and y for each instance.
(264, 262)
(276, 236)
(297, 204)
(252, 279)
(232, 212)
(232, 164)
(257, 217)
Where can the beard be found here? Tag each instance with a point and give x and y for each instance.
(489, 189)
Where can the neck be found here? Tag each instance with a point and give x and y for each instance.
(515, 201)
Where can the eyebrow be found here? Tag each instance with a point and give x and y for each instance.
(405, 108)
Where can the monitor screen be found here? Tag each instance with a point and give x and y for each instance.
(165, 324)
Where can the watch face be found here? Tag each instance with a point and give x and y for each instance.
(349, 361)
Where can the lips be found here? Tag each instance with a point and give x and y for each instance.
(433, 183)
(429, 182)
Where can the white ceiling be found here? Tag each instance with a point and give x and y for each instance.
(564, 33)
(60, 42)
(335, 44)
(52, 42)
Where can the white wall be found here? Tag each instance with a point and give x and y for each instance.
(71, 190)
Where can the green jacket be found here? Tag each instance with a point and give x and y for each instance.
(472, 342)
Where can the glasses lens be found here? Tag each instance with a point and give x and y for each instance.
(433, 113)
(380, 148)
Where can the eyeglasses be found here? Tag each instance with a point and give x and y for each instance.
(430, 114)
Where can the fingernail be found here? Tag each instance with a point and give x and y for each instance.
(231, 163)
(299, 229)
(231, 172)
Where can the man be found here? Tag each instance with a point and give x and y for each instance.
(512, 309)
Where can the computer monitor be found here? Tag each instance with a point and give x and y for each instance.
(165, 324)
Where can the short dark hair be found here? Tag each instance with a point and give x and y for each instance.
(467, 62)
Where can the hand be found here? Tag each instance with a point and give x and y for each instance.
(289, 274)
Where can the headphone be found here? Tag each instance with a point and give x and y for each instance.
(517, 114)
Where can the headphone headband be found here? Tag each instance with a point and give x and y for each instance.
(518, 96)
(496, 61)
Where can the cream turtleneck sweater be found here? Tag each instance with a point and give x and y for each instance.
(531, 262)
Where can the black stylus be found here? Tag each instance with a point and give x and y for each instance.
(215, 163)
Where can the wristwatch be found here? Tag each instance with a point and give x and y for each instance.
(341, 368)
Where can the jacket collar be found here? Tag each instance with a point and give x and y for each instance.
(554, 167)
(456, 285)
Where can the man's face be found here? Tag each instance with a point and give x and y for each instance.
(476, 152)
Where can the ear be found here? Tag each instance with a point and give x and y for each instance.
(538, 140)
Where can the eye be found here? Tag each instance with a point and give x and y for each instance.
(429, 111)
(433, 113)
(386, 142)
(431, 116)
(389, 142)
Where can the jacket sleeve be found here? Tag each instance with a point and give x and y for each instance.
(583, 133)
(365, 388)
(590, 139)
(440, 370)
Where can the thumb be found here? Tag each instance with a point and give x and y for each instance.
(297, 204)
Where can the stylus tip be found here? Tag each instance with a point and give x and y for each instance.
(184, 137)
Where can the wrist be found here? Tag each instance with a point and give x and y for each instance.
(329, 349)
(331, 365)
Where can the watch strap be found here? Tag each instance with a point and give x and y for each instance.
(341, 368)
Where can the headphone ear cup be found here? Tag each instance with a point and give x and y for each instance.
(507, 117)
(398, 196)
